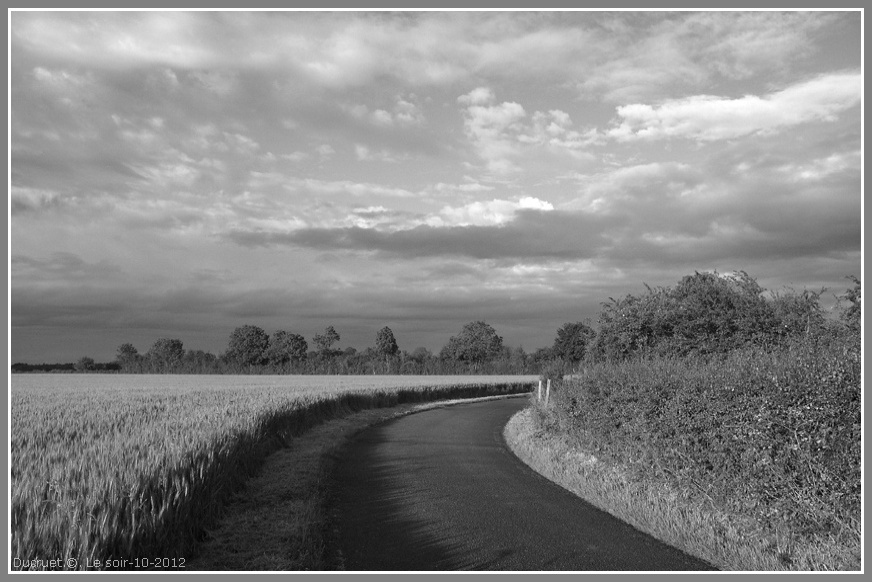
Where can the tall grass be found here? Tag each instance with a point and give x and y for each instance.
(771, 437)
(110, 467)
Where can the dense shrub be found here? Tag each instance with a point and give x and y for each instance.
(704, 313)
(774, 434)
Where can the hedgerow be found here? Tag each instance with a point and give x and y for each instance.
(747, 401)
(771, 434)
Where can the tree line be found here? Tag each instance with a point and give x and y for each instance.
(476, 349)
(703, 313)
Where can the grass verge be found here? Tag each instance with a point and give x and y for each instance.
(683, 519)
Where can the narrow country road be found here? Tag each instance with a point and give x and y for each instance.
(440, 490)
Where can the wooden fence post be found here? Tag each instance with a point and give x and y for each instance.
(547, 392)
(539, 394)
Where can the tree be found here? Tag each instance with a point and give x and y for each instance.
(85, 364)
(571, 341)
(166, 354)
(385, 344)
(198, 361)
(704, 313)
(127, 357)
(477, 342)
(285, 347)
(325, 342)
(421, 355)
(248, 346)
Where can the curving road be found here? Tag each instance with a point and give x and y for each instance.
(440, 490)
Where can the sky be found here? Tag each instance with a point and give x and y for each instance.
(180, 174)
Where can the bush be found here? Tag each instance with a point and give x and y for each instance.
(774, 434)
(704, 313)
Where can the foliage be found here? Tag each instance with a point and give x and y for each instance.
(198, 362)
(165, 355)
(325, 342)
(571, 341)
(852, 315)
(553, 370)
(285, 347)
(797, 313)
(19, 367)
(772, 434)
(477, 342)
(385, 343)
(248, 346)
(103, 469)
(128, 357)
(704, 313)
(85, 364)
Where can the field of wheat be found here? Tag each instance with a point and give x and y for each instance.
(117, 470)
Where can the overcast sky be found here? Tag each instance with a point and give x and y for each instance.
(179, 174)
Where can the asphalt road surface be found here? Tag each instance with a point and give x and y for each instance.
(440, 490)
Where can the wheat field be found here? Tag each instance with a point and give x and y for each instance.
(115, 470)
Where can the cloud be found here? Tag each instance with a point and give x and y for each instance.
(30, 199)
(364, 154)
(468, 187)
(617, 55)
(823, 168)
(63, 266)
(404, 113)
(501, 133)
(345, 187)
(297, 156)
(709, 118)
(175, 145)
(530, 234)
(647, 56)
(493, 212)
(325, 150)
(478, 96)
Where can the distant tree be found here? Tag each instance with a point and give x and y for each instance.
(852, 315)
(385, 343)
(285, 347)
(542, 355)
(248, 346)
(477, 342)
(199, 362)
(85, 364)
(165, 354)
(571, 341)
(325, 342)
(127, 357)
(421, 355)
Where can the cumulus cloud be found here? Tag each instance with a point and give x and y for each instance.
(709, 118)
(403, 113)
(501, 133)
